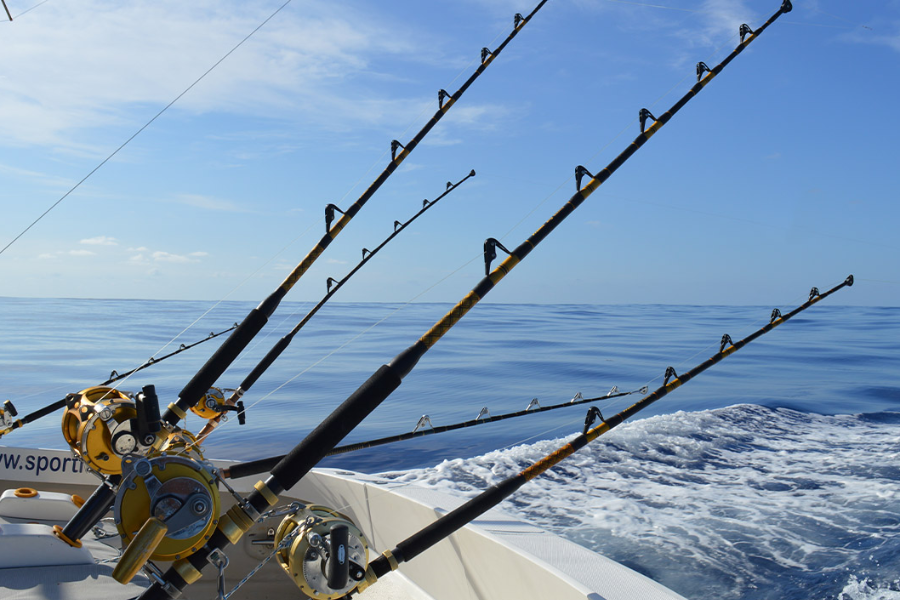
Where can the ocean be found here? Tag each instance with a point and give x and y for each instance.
(774, 475)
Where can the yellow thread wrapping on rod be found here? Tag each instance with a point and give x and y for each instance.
(187, 571)
(302, 268)
(450, 319)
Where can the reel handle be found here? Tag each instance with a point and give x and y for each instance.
(139, 550)
(337, 568)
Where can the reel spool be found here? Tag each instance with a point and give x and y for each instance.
(166, 508)
(102, 425)
(328, 556)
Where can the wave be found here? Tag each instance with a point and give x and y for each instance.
(745, 502)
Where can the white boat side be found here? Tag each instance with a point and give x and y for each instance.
(495, 558)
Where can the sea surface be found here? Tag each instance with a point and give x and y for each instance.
(774, 475)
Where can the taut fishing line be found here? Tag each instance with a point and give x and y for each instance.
(145, 126)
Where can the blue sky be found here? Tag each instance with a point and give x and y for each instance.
(781, 175)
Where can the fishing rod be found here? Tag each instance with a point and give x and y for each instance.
(236, 521)
(265, 464)
(6, 9)
(477, 506)
(333, 287)
(199, 385)
(225, 355)
(113, 377)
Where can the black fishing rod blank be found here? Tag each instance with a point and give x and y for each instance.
(265, 464)
(480, 504)
(385, 380)
(198, 386)
(333, 288)
(113, 377)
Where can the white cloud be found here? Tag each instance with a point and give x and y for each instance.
(70, 66)
(140, 249)
(81, 253)
(46, 256)
(161, 256)
(199, 254)
(100, 240)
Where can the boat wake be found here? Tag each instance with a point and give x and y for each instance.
(744, 502)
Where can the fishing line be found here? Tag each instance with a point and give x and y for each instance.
(23, 12)
(147, 124)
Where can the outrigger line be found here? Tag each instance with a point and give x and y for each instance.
(199, 385)
(236, 521)
(113, 377)
(477, 506)
(333, 287)
(265, 464)
(6, 8)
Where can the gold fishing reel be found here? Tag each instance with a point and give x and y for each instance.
(166, 509)
(324, 552)
(214, 406)
(7, 417)
(99, 427)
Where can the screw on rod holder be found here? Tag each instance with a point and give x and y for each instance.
(745, 31)
(726, 341)
(580, 172)
(813, 293)
(517, 19)
(776, 314)
(643, 115)
(490, 253)
(329, 216)
(702, 68)
(593, 414)
(670, 373)
(394, 145)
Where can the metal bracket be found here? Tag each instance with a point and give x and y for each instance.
(643, 115)
(394, 145)
(670, 373)
(644, 389)
(329, 216)
(484, 413)
(518, 18)
(776, 314)
(220, 561)
(576, 398)
(490, 253)
(813, 293)
(424, 420)
(533, 404)
(364, 252)
(701, 69)
(745, 31)
(485, 52)
(442, 95)
(726, 341)
(614, 390)
(592, 414)
(330, 282)
(397, 224)
(580, 172)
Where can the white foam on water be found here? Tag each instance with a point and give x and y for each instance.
(743, 502)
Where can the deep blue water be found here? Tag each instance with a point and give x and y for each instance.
(772, 475)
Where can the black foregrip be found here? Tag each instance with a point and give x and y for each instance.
(43, 412)
(254, 467)
(92, 510)
(338, 424)
(458, 518)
